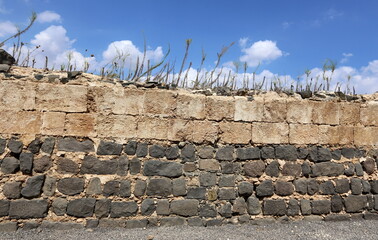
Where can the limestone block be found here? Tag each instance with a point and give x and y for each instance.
(101, 99)
(179, 130)
(160, 102)
(153, 128)
(65, 98)
(235, 133)
(15, 95)
(204, 131)
(329, 134)
(249, 111)
(128, 101)
(326, 113)
(303, 134)
(220, 107)
(275, 110)
(120, 126)
(366, 136)
(190, 106)
(299, 111)
(346, 135)
(53, 123)
(350, 113)
(270, 133)
(80, 124)
(20, 122)
(369, 114)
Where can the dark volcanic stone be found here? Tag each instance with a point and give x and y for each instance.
(81, 208)
(3, 143)
(226, 194)
(336, 203)
(26, 162)
(140, 188)
(320, 154)
(374, 186)
(48, 145)
(188, 153)
(131, 147)
(355, 203)
(293, 208)
(369, 165)
(225, 153)
(161, 187)
(225, 210)
(12, 190)
(206, 152)
(327, 188)
(186, 207)
(251, 153)
(253, 205)
(320, 207)
(162, 207)
(135, 166)
(267, 153)
(275, 207)
(306, 169)
(172, 152)
(254, 169)
(312, 186)
(67, 166)
(348, 152)
(33, 187)
(329, 169)
(111, 188)
(34, 146)
(102, 208)
(147, 207)
(4, 208)
(109, 148)
(292, 169)
(207, 211)
(156, 151)
(125, 188)
(94, 186)
(59, 206)
(300, 186)
(123, 209)
(286, 152)
(10, 165)
(123, 166)
(179, 187)
(356, 186)
(42, 164)
(24, 209)
(91, 165)
(207, 179)
(342, 185)
(265, 189)
(141, 150)
(283, 188)
(302, 153)
(227, 181)
(49, 186)
(6, 58)
(359, 170)
(70, 144)
(196, 193)
(71, 186)
(239, 207)
(273, 169)
(162, 168)
(336, 154)
(349, 170)
(15, 146)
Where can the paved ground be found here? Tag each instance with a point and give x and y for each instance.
(296, 230)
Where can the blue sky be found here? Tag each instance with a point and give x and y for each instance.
(285, 37)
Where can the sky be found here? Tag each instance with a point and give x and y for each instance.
(277, 39)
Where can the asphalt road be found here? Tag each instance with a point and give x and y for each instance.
(294, 230)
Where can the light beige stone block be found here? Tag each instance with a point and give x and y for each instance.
(235, 132)
(275, 110)
(248, 111)
(350, 113)
(346, 135)
(220, 107)
(204, 131)
(210, 165)
(329, 135)
(153, 128)
(270, 133)
(190, 106)
(160, 102)
(299, 111)
(117, 126)
(26, 122)
(80, 124)
(16, 95)
(101, 99)
(326, 113)
(369, 114)
(303, 134)
(179, 130)
(63, 98)
(53, 123)
(128, 101)
(366, 136)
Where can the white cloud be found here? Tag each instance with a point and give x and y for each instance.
(332, 14)
(7, 28)
(243, 42)
(48, 16)
(259, 52)
(346, 57)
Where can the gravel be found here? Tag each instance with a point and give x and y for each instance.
(294, 230)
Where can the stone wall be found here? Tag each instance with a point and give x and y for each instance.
(79, 152)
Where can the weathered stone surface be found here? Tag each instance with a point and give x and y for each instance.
(10, 165)
(195, 222)
(265, 189)
(305, 207)
(15, 146)
(172, 152)
(207, 211)
(71, 186)
(48, 145)
(366, 188)
(336, 154)
(34, 146)
(83, 207)
(147, 207)
(161, 187)
(141, 150)
(300, 186)
(140, 188)
(162, 168)
(42, 164)
(342, 185)
(255, 168)
(207, 179)
(374, 186)
(70, 144)
(80, 124)
(273, 169)
(327, 188)
(189, 106)
(253, 205)
(172, 221)
(8, 226)
(239, 207)
(320, 207)
(210, 165)
(188, 153)
(206, 152)
(299, 134)
(162, 207)
(213, 222)
(292, 169)
(349, 170)
(320, 154)
(179, 187)
(306, 169)
(59, 206)
(24, 209)
(49, 186)
(26, 162)
(123, 166)
(225, 153)
(286, 152)
(157, 151)
(276, 207)
(136, 223)
(369, 165)
(109, 148)
(12, 190)
(125, 188)
(66, 165)
(91, 165)
(329, 169)
(358, 169)
(53, 226)
(186, 207)
(226, 194)
(123, 209)
(230, 167)
(235, 132)
(94, 187)
(225, 210)
(336, 203)
(196, 193)
(3, 144)
(220, 107)
(270, 133)
(348, 152)
(251, 153)
(135, 166)
(356, 186)
(111, 188)
(267, 153)
(102, 208)
(282, 188)
(33, 186)
(293, 207)
(226, 181)
(131, 147)
(4, 208)
(355, 204)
